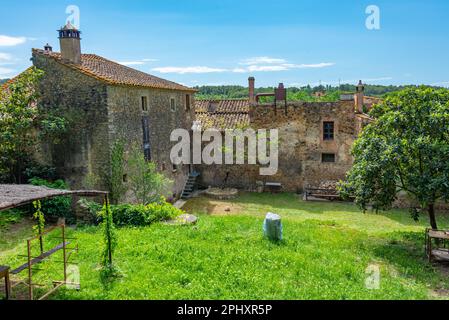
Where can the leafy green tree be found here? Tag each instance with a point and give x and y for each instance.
(146, 184)
(404, 149)
(18, 114)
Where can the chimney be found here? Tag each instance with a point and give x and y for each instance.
(252, 96)
(70, 42)
(48, 48)
(359, 97)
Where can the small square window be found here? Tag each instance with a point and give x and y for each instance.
(144, 104)
(328, 158)
(328, 130)
(173, 105)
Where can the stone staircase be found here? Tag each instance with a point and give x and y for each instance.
(190, 185)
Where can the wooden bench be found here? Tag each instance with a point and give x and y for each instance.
(440, 251)
(328, 194)
(4, 273)
(273, 187)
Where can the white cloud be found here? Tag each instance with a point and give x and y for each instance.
(137, 62)
(256, 64)
(441, 84)
(131, 63)
(267, 68)
(5, 58)
(311, 66)
(7, 41)
(5, 72)
(262, 60)
(184, 70)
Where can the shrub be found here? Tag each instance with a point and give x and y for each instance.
(140, 215)
(60, 207)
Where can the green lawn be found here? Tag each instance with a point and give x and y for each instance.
(326, 251)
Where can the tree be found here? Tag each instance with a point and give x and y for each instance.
(404, 149)
(18, 113)
(145, 182)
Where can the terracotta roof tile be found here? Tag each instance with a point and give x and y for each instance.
(223, 114)
(114, 73)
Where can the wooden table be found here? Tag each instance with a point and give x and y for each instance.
(4, 273)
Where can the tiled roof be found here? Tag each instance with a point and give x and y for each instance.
(222, 114)
(114, 73)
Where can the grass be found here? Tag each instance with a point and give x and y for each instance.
(325, 255)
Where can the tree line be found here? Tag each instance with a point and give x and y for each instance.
(306, 93)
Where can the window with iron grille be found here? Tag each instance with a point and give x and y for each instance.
(146, 138)
(328, 131)
(328, 157)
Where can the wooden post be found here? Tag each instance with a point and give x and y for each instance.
(7, 285)
(30, 275)
(64, 252)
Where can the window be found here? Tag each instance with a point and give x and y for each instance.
(146, 138)
(144, 104)
(175, 168)
(173, 104)
(328, 131)
(187, 102)
(328, 157)
(125, 178)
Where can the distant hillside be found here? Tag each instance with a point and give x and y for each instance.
(294, 94)
(2, 81)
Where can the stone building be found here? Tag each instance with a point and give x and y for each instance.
(106, 101)
(315, 138)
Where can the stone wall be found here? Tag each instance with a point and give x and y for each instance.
(84, 101)
(125, 121)
(301, 145)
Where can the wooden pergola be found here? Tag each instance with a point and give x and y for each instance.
(15, 196)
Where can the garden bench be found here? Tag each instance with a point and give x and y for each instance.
(273, 187)
(440, 250)
(329, 194)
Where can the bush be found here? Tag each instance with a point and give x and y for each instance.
(127, 215)
(60, 207)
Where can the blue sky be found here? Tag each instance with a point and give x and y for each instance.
(199, 42)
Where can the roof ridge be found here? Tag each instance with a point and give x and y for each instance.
(115, 73)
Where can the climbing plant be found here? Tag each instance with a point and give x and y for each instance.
(40, 226)
(109, 237)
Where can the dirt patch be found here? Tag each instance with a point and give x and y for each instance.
(212, 207)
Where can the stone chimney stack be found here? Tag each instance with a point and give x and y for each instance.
(359, 97)
(48, 48)
(252, 95)
(70, 42)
